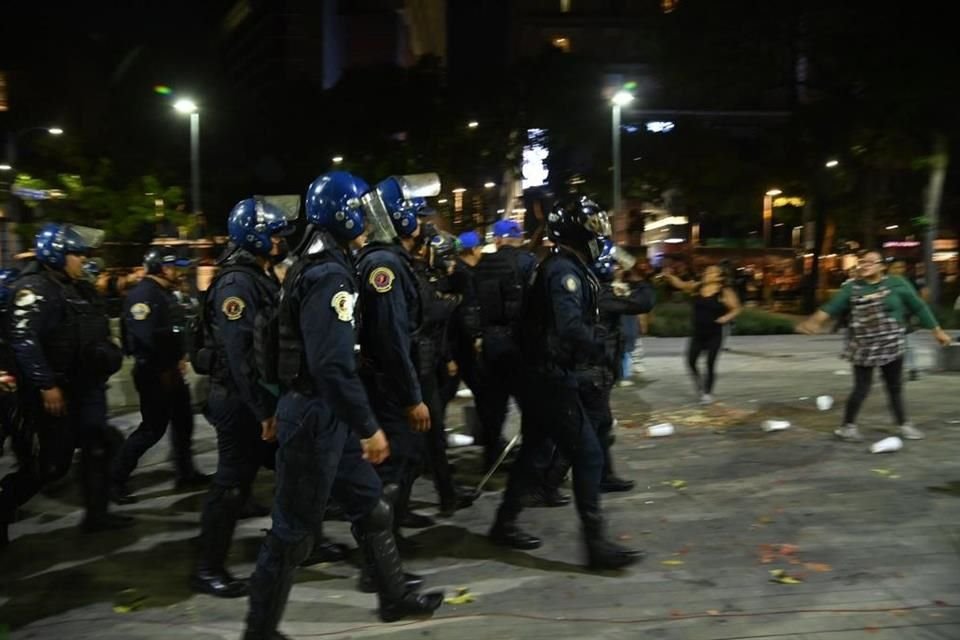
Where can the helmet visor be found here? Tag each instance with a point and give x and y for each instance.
(376, 218)
(81, 240)
(287, 205)
(419, 185)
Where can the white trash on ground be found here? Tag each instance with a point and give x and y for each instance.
(824, 402)
(887, 445)
(775, 425)
(660, 430)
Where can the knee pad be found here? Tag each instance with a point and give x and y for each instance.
(380, 518)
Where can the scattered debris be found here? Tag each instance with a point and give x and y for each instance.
(887, 445)
(824, 402)
(660, 430)
(775, 425)
(782, 577)
(462, 596)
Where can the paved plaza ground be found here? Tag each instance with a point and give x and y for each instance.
(787, 535)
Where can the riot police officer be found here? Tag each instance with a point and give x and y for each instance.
(432, 263)
(501, 279)
(558, 339)
(60, 337)
(238, 405)
(393, 314)
(617, 298)
(153, 324)
(466, 335)
(327, 431)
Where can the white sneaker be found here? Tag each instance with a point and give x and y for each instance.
(848, 432)
(459, 440)
(910, 432)
(625, 383)
(706, 398)
(465, 393)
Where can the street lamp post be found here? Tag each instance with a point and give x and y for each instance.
(620, 99)
(189, 107)
(768, 214)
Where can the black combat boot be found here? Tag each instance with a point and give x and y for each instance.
(270, 585)
(397, 600)
(217, 524)
(603, 554)
(506, 533)
(94, 465)
(398, 497)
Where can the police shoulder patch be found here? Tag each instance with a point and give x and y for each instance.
(25, 298)
(570, 283)
(343, 302)
(233, 307)
(381, 279)
(140, 311)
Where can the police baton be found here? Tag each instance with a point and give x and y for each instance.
(496, 465)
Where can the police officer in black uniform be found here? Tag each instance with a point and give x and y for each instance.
(153, 328)
(617, 299)
(466, 333)
(327, 431)
(392, 316)
(60, 335)
(501, 279)
(238, 406)
(558, 339)
(432, 264)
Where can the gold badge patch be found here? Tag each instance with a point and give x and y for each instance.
(25, 298)
(140, 311)
(570, 284)
(381, 279)
(342, 303)
(233, 308)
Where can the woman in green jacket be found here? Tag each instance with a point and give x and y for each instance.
(878, 306)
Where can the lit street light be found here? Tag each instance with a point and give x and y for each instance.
(336, 159)
(489, 185)
(5, 167)
(619, 100)
(55, 131)
(830, 164)
(189, 107)
(473, 124)
(459, 190)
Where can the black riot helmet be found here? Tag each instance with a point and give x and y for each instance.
(158, 257)
(443, 251)
(576, 222)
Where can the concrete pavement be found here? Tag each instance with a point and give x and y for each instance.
(867, 544)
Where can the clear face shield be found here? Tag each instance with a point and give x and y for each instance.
(80, 239)
(412, 188)
(287, 205)
(599, 224)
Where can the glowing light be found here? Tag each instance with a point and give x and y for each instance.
(660, 126)
(473, 124)
(5, 167)
(55, 131)
(336, 159)
(622, 98)
(830, 164)
(891, 227)
(533, 170)
(674, 240)
(459, 190)
(162, 90)
(774, 192)
(185, 105)
(442, 201)
(489, 185)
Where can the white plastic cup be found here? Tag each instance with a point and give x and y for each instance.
(824, 402)
(887, 445)
(660, 430)
(775, 425)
